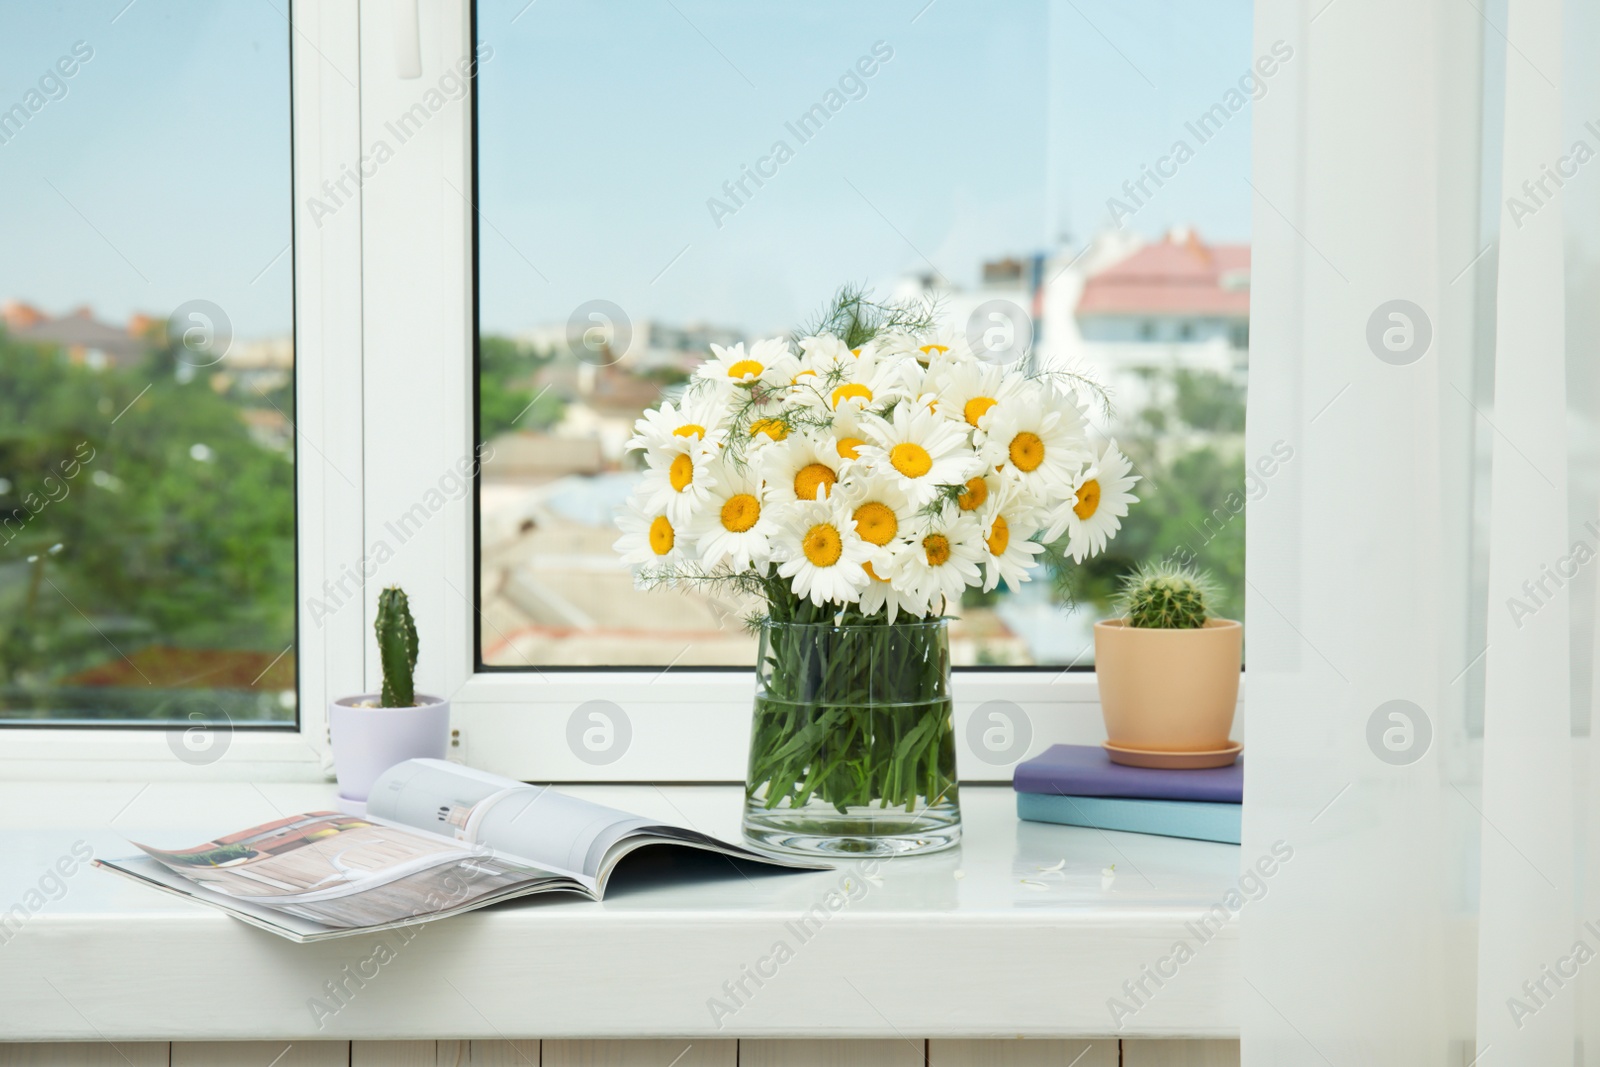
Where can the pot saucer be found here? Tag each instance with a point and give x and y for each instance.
(1145, 757)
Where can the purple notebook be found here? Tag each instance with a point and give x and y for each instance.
(1084, 771)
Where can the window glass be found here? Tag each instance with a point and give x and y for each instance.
(654, 180)
(146, 364)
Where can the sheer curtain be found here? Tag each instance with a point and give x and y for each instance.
(1422, 579)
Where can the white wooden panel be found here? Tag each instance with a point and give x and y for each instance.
(641, 1053)
(1023, 1053)
(501, 1054)
(1180, 1054)
(444, 1054)
(401, 1053)
(85, 1054)
(261, 1054)
(896, 1052)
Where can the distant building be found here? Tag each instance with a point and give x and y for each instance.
(1179, 290)
(84, 340)
(1120, 308)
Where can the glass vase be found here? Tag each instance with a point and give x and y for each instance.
(852, 744)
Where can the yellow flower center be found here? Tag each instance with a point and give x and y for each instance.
(929, 350)
(740, 512)
(872, 573)
(681, 473)
(851, 391)
(662, 537)
(875, 522)
(811, 477)
(690, 429)
(796, 379)
(999, 537)
(745, 368)
(822, 545)
(911, 460)
(848, 447)
(856, 352)
(771, 427)
(977, 408)
(977, 492)
(1027, 451)
(937, 549)
(1088, 499)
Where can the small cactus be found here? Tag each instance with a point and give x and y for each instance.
(397, 647)
(1165, 597)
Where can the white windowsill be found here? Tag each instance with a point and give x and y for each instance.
(924, 952)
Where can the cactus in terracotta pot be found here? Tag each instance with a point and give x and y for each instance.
(1165, 597)
(397, 647)
(1168, 672)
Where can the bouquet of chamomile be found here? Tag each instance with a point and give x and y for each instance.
(866, 475)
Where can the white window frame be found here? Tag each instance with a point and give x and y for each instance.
(326, 138)
(384, 316)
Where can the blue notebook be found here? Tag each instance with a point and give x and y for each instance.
(1196, 819)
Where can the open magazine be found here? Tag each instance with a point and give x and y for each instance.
(438, 839)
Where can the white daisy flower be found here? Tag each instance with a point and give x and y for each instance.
(871, 386)
(882, 513)
(700, 417)
(1041, 443)
(1008, 526)
(980, 489)
(918, 450)
(1100, 501)
(882, 595)
(942, 557)
(800, 468)
(825, 356)
(768, 363)
(846, 436)
(736, 525)
(817, 548)
(649, 538)
(678, 479)
(973, 389)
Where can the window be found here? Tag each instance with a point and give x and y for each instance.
(723, 170)
(147, 479)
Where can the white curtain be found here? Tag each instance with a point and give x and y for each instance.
(1421, 648)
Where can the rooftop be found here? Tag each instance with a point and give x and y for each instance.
(1178, 275)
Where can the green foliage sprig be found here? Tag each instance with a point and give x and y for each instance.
(855, 318)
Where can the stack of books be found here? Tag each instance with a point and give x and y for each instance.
(1078, 785)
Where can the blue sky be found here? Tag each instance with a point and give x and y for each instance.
(994, 129)
(169, 157)
(602, 139)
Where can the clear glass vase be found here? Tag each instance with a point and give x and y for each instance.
(852, 746)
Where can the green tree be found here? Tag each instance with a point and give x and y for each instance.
(136, 510)
(507, 398)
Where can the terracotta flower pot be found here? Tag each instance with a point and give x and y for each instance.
(1168, 690)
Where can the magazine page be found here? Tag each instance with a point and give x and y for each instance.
(548, 828)
(537, 823)
(346, 871)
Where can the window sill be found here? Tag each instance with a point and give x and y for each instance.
(1006, 947)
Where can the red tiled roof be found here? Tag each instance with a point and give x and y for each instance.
(1180, 275)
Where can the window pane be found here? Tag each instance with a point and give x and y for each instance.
(146, 364)
(708, 172)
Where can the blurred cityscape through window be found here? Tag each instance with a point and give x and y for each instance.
(710, 173)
